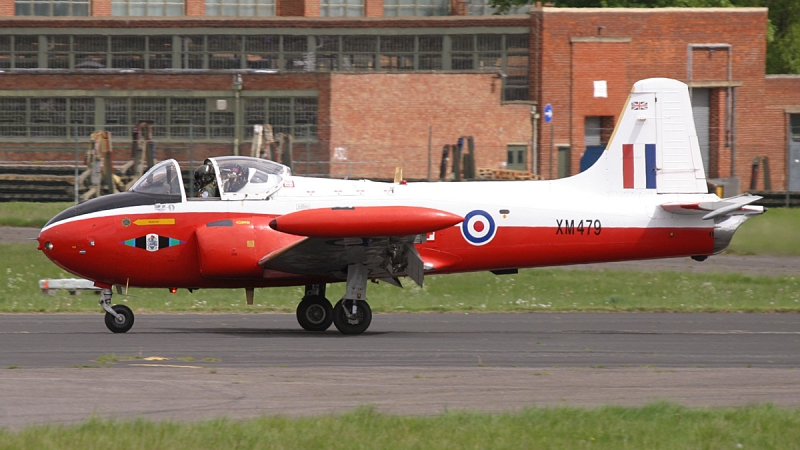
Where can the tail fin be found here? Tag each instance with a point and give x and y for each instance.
(654, 146)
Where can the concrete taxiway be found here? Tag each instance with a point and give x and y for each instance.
(192, 366)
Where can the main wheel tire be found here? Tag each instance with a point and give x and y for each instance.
(356, 325)
(123, 325)
(315, 313)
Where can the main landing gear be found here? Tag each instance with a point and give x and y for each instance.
(351, 315)
(119, 318)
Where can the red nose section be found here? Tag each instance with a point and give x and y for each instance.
(366, 221)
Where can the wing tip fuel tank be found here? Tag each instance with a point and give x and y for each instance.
(364, 222)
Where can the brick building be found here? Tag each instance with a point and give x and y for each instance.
(363, 86)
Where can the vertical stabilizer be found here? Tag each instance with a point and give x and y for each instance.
(654, 147)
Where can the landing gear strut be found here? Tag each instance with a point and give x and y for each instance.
(315, 313)
(119, 318)
(352, 314)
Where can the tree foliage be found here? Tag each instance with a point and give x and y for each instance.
(783, 34)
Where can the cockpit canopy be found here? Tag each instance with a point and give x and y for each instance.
(240, 178)
(237, 178)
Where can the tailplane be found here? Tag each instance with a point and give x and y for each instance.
(654, 147)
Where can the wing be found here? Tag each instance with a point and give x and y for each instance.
(380, 237)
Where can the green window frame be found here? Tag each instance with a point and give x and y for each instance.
(240, 8)
(341, 8)
(51, 8)
(147, 8)
(46, 118)
(483, 8)
(406, 8)
(19, 52)
(295, 116)
(506, 53)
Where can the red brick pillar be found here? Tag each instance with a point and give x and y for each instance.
(6, 8)
(195, 7)
(373, 8)
(101, 8)
(297, 8)
(458, 7)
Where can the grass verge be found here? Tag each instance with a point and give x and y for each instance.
(654, 426)
(29, 214)
(530, 290)
(776, 232)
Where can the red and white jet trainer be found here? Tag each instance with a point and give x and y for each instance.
(646, 197)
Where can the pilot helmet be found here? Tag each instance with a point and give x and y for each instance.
(204, 174)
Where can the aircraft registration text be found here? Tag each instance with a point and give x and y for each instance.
(570, 226)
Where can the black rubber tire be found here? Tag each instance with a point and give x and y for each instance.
(358, 325)
(111, 322)
(315, 313)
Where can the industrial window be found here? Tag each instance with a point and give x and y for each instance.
(516, 68)
(169, 118)
(794, 122)
(100, 52)
(341, 8)
(504, 54)
(397, 52)
(483, 8)
(392, 8)
(46, 117)
(51, 8)
(19, 52)
(154, 8)
(262, 52)
(293, 116)
(240, 8)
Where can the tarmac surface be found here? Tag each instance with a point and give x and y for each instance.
(59, 368)
(66, 368)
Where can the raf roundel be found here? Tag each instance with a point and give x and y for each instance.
(478, 227)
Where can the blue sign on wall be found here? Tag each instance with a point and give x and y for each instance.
(548, 113)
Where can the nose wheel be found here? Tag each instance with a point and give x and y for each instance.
(119, 318)
(122, 322)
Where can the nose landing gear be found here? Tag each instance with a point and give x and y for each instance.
(119, 318)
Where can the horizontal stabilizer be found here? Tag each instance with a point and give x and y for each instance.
(729, 206)
(364, 221)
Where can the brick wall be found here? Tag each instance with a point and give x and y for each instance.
(6, 8)
(195, 7)
(298, 8)
(101, 8)
(382, 121)
(373, 8)
(657, 48)
(782, 98)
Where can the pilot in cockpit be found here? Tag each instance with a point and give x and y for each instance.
(235, 178)
(206, 181)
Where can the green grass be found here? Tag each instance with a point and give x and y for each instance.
(530, 290)
(28, 214)
(654, 426)
(776, 232)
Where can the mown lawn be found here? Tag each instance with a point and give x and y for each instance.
(655, 426)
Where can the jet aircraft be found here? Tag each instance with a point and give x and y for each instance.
(645, 197)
